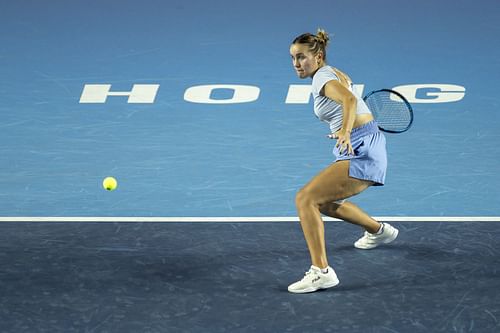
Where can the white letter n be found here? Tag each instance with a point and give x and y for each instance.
(98, 93)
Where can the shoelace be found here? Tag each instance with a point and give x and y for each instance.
(307, 273)
(370, 236)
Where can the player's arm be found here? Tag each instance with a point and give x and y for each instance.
(338, 92)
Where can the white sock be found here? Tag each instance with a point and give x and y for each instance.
(381, 230)
(322, 270)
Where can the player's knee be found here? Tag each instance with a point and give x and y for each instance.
(303, 198)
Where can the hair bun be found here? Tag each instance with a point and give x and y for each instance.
(322, 36)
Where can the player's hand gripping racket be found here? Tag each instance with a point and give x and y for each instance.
(392, 112)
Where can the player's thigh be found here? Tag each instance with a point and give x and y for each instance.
(333, 183)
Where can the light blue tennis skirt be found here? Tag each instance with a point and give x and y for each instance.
(370, 156)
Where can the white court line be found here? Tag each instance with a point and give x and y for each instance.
(93, 219)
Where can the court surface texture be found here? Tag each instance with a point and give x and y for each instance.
(194, 107)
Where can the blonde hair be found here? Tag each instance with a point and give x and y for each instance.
(316, 43)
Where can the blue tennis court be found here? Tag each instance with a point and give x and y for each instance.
(195, 109)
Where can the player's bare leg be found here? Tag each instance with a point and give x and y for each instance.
(351, 213)
(329, 185)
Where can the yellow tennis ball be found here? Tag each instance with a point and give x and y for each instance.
(109, 183)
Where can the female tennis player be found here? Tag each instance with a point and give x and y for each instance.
(360, 161)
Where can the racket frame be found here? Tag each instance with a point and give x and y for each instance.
(410, 109)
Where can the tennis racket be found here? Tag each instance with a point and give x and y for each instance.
(392, 112)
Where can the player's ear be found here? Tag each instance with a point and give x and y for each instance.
(319, 57)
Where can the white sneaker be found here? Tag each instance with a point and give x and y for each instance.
(314, 280)
(370, 241)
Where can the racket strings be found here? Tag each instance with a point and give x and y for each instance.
(390, 111)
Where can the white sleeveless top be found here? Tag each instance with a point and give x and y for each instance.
(326, 109)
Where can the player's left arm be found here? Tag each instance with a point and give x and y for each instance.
(338, 92)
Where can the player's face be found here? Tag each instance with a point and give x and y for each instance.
(304, 62)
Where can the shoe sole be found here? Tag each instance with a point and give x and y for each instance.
(386, 241)
(311, 290)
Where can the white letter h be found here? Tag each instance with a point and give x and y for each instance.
(98, 93)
